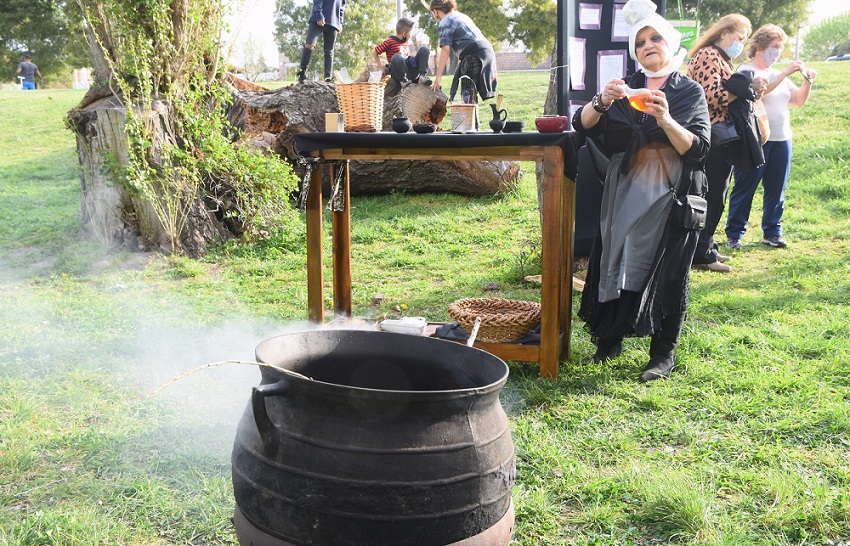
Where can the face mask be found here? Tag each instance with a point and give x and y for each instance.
(770, 55)
(735, 49)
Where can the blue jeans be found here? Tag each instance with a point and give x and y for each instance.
(28, 86)
(774, 177)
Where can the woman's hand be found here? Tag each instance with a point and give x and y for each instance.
(612, 91)
(759, 87)
(809, 74)
(658, 108)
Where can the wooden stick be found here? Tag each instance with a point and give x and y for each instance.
(222, 363)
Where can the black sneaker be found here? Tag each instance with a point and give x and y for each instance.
(301, 76)
(425, 81)
(776, 241)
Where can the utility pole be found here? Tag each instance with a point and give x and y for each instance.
(397, 9)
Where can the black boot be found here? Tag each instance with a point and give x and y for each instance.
(661, 349)
(606, 349)
(306, 54)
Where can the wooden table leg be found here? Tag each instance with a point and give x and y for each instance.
(552, 252)
(568, 230)
(315, 296)
(341, 222)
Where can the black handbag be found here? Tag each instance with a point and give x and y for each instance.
(724, 132)
(689, 211)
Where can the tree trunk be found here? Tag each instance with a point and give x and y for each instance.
(273, 118)
(110, 212)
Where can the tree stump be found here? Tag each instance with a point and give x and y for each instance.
(300, 108)
(113, 214)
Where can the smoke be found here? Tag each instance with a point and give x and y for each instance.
(116, 327)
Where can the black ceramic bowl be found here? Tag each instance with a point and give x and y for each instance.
(423, 128)
(514, 127)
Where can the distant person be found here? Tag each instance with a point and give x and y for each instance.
(476, 57)
(326, 21)
(403, 67)
(765, 48)
(710, 66)
(29, 71)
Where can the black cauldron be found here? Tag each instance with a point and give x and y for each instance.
(365, 437)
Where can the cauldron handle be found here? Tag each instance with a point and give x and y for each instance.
(268, 431)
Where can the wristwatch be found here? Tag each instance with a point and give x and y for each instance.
(597, 104)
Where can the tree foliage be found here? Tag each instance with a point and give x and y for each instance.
(788, 14)
(830, 37)
(366, 24)
(49, 30)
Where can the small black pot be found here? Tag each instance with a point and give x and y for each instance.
(402, 125)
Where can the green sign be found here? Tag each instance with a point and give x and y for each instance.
(689, 31)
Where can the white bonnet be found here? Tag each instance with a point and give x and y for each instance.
(640, 14)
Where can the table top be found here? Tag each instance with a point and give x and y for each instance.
(308, 142)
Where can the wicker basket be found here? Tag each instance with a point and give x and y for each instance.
(362, 104)
(501, 319)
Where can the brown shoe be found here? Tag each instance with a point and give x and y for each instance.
(714, 266)
(723, 259)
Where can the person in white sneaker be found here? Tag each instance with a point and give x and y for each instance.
(764, 50)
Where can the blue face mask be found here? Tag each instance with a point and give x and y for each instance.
(735, 49)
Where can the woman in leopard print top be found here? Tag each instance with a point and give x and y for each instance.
(710, 66)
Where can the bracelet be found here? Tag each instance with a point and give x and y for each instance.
(597, 104)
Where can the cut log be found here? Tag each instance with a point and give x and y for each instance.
(301, 108)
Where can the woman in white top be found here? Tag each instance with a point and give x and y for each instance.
(764, 50)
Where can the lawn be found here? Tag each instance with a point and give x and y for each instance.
(748, 443)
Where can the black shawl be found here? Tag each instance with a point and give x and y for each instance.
(746, 153)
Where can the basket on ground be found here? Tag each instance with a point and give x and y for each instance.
(501, 319)
(362, 104)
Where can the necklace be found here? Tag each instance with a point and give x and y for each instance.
(644, 116)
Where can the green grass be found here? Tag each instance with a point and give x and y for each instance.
(748, 443)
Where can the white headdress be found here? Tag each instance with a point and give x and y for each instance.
(640, 14)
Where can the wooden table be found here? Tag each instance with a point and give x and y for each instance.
(558, 224)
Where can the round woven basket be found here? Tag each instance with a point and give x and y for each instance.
(501, 319)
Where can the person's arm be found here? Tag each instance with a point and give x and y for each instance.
(612, 91)
(442, 61)
(793, 66)
(800, 95)
(679, 137)
(318, 7)
(710, 78)
(18, 71)
(377, 58)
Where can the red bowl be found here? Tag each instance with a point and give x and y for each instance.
(551, 124)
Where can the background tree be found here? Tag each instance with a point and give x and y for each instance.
(788, 14)
(251, 59)
(49, 30)
(829, 37)
(367, 23)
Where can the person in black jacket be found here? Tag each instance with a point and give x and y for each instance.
(638, 273)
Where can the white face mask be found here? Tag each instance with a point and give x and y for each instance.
(771, 55)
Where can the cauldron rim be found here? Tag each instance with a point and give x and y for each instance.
(273, 374)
